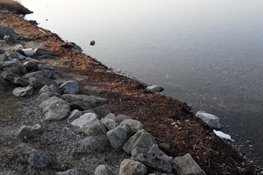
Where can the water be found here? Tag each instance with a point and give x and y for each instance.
(206, 53)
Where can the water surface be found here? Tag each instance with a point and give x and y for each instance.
(208, 54)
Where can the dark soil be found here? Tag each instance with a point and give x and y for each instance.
(167, 119)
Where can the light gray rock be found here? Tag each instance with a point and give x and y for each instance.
(74, 115)
(101, 111)
(28, 131)
(131, 167)
(95, 143)
(141, 139)
(84, 120)
(8, 31)
(121, 117)
(111, 116)
(134, 124)
(93, 128)
(186, 165)
(48, 89)
(69, 172)
(104, 170)
(23, 91)
(70, 87)
(108, 123)
(83, 102)
(48, 101)
(153, 157)
(40, 52)
(57, 109)
(155, 88)
(210, 119)
(117, 138)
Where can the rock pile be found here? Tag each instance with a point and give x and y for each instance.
(90, 116)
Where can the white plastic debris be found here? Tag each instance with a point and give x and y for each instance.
(223, 135)
(28, 52)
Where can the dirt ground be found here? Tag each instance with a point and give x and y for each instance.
(167, 119)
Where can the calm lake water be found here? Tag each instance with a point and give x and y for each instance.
(206, 53)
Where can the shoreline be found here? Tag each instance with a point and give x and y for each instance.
(127, 96)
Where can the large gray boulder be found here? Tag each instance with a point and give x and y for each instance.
(69, 172)
(33, 74)
(42, 81)
(141, 139)
(57, 109)
(16, 68)
(3, 57)
(153, 157)
(210, 119)
(104, 170)
(23, 91)
(83, 102)
(186, 165)
(95, 143)
(131, 167)
(31, 66)
(29, 131)
(40, 159)
(134, 124)
(48, 89)
(121, 117)
(69, 87)
(117, 138)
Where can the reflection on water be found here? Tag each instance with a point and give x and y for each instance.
(206, 53)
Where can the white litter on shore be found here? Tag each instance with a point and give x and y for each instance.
(42, 31)
(223, 135)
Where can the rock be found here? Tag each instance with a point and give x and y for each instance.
(121, 117)
(131, 167)
(92, 43)
(48, 89)
(117, 137)
(111, 116)
(31, 66)
(69, 172)
(3, 57)
(70, 87)
(101, 111)
(28, 131)
(56, 109)
(155, 88)
(13, 78)
(93, 128)
(186, 165)
(83, 120)
(141, 139)
(45, 81)
(134, 124)
(127, 129)
(33, 74)
(108, 123)
(23, 91)
(210, 119)
(8, 31)
(40, 52)
(40, 159)
(42, 97)
(83, 102)
(104, 170)
(17, 68)
(74, 115)
(47, 73)
(153, 157)
(95, 143)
